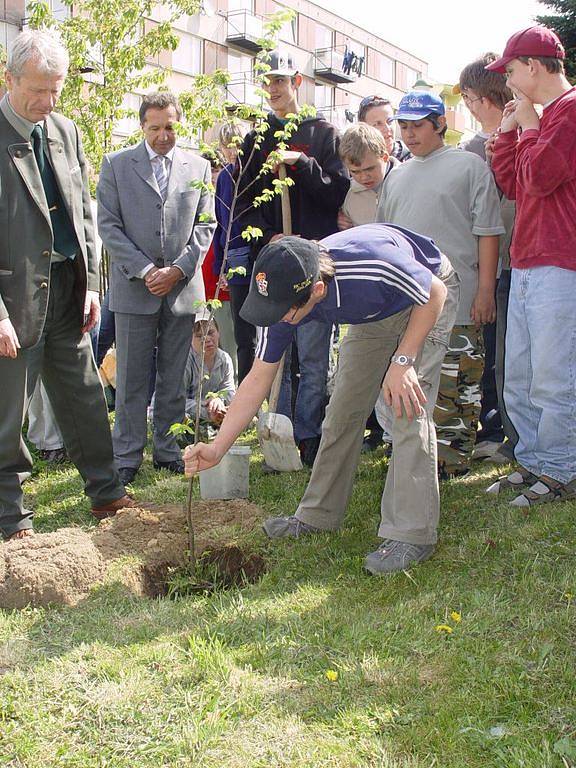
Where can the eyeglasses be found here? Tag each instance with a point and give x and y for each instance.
(469, 100)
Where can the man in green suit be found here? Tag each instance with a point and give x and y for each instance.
(48, 284)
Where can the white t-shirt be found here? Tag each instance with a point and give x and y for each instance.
(449, 196)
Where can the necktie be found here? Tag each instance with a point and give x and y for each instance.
(65, 241)
(161, 175)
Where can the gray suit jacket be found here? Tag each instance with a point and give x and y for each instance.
(26, 232)
(138, 228)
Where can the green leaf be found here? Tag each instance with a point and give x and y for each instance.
(566, 747)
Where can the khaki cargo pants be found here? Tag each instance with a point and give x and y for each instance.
(410, 502)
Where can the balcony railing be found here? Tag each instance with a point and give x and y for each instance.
(243, 30)
(337, 64)
(241, 90)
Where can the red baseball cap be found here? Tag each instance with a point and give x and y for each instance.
(534, 41)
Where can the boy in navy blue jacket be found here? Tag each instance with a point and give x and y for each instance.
(399, 295)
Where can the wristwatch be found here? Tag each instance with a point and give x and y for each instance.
(402, 360)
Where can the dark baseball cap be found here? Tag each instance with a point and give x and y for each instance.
(283, 270)
(281, 64)
(534, 41)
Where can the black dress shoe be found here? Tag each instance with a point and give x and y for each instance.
(176, 466)
(127, 474)
(56, 456)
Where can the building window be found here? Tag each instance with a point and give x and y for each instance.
(187, 57)
(7, 33)
(128, 124)
(411, 77)
(323, 97)
(241, 5)
(387, 70)
(60, 10)
(289, 31)
(237, 62)
(323, 37)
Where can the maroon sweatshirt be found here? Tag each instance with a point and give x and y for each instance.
(538, 170)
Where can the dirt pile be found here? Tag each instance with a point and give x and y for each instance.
(58, 567)
(61, 567)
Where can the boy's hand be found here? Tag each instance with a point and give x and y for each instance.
(526, 116)
(402, 391)
(509, 122)
(200, 456)
(483, 307)
(216, 408)
(344, 222)
(489, 147)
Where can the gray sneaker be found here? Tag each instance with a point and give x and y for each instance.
(392, 556)
(287, 528)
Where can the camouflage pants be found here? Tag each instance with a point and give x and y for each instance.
(458, 405)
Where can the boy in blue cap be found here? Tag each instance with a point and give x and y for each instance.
(399, 295)
(450, 196)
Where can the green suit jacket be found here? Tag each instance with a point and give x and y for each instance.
(26, 240)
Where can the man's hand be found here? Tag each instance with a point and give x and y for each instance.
(9, 344)
(483, 307)
(161, 281)
(91, 311)
(200, 456)
(216, 408)
(344, 222)
(402, 391)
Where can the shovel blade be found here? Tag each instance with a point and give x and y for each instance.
(276, 437)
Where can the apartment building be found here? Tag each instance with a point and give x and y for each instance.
(340, 62)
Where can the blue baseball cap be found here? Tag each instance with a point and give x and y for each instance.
(418, 104)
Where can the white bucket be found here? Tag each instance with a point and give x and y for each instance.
(229, 479)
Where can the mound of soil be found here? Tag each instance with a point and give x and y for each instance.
(61, 567)
(58, 567)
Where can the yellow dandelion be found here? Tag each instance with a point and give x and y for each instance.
(456, 617)
(568, 596)
(332, 675)
(444, 628)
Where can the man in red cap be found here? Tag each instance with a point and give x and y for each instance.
(534, 162)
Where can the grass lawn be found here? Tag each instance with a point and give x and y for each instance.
(318, 664)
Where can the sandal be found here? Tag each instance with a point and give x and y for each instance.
(545, 490)
(517, 479)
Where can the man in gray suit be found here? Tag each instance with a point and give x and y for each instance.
(48, 284)
(157, 229)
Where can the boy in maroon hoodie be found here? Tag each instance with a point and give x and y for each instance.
(534, 162)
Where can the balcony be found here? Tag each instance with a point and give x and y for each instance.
(341, 117)
(337, 65)
(244, 30)
(241, 91)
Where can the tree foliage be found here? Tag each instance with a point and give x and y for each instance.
(563, 22)
(112, 45)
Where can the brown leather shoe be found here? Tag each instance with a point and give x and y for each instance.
(124, 502)
(22, 534)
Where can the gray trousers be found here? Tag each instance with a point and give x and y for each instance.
(410, 506)
(64, 358)
(43, 431)
(136, 337)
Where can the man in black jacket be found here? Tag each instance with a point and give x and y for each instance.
(320, 186)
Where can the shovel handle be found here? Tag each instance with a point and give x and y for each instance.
(275, 389)
(285, 200)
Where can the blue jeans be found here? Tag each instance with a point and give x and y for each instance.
(313, 344)
(540, 370)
